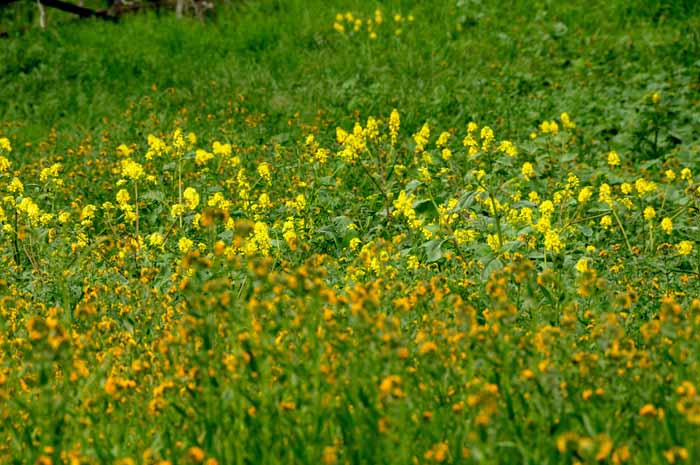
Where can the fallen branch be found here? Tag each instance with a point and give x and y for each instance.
(77, 10)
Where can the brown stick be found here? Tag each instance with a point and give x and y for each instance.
(78, 10)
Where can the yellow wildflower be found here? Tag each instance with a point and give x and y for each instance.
(5, 144)
(156, 239)
(684, 247)
(649, 213)
(201, 157)
(667, 225)
(191, 198)
(264, 171)
(221, 149)
(123, 197)
(487, 137)
(644, 187)
(566, 121)
(527, 171)
(613, 158)
(442, 139)
(582, 265)
(15, 186)
(195, 454)
(132, 169)
(552, 242)
(185, 244)
(421, 137)
(585, 194)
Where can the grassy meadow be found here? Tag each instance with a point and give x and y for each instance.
(352, 232)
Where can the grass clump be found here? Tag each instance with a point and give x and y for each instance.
(434, 232)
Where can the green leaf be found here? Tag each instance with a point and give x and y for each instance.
(433, 250)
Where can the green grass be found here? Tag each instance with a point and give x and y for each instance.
(380, 302)
(522, 64)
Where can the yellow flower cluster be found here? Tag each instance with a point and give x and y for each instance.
(349, 23)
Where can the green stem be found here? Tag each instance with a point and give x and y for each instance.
(381, 190)
(16, 238)
(582, 220)
(136, 203)
(622, 228)
(179, 184)
(497, 218)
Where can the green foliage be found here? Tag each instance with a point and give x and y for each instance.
(451, 232)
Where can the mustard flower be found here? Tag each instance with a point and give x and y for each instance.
(264, 171)
(527, 171)
(4, 164)
(124, 151)
(566, 121)
(156, 239)
(547, 208)
(492, 241)
(179, 143)
(684, 247)
(421, 137)
(5, 144)
(508, 148)
(191, 198)
(15, 186)
(605, 194)
(371, 131)
(442, 139)
(552, 242)
(156, 147)
(585, 194)
(525, 215)
(667, 225)
(464, 236)
(259, 240)
(613, 158)
(185, 244)
(221, 149)
(686, 175)
(354, 243)
(123, 197)
(487, 137)
(644, 187)
(88, 212)
(572, 181)
(549, 127)
(177, 210)
(191, 138)
(201, 157)
(582, 265)
(52, 171)
(131, 169)
(649, 213)
(30, 208)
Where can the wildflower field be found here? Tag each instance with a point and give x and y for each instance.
(358, 232)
